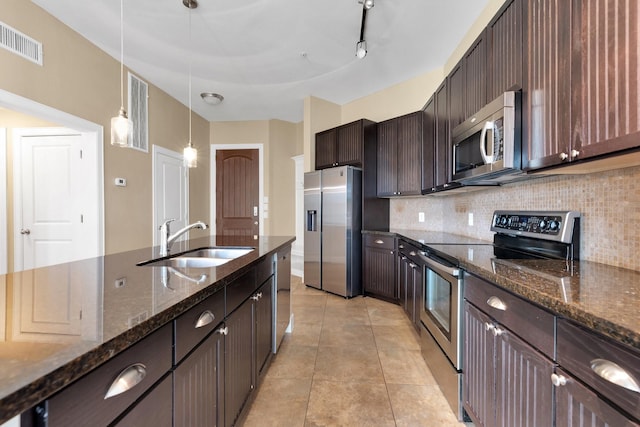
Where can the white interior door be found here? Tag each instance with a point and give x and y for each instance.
(55, 212)
(170, 190)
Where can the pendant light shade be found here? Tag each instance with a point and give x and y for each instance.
(190, 155)
(121, 126)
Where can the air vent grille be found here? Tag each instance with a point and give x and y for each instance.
(20, 44)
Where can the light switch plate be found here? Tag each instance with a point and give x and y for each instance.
(420, 216)
(470, 218)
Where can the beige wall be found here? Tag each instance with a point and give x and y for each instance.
(318, 116)
(80, 79)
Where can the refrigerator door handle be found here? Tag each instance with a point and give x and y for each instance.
(311, 220)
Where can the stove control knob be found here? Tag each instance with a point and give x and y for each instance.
(553, 225)
(543, 224)
(503, 221)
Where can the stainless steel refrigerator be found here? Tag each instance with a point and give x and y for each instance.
(332, 237)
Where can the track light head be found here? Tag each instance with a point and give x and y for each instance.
(361, 49)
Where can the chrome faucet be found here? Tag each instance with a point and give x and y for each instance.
(166, 238)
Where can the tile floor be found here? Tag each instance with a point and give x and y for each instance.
(349, 363)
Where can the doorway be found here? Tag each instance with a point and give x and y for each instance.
(170, 191)
(215, 190)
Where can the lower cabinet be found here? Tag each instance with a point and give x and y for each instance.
(379, 266)
(152, 410)
(198, 383)
(410, 280)
(264, 325)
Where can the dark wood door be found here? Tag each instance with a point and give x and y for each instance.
(547, 104)
(239, 361)
(442, 167)
(605, 77)
(506, 49)
(264, 324)
(578, 406)
(475, 76)
(457, 95)
(409, 148)
(387, 158)
(153, 410)
(237, 193)
(199, 385)
(524, 393)
(350, 140)
(428, 146)
(478, 379)
(379, 273)
(326, 155)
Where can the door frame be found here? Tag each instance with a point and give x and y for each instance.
(214, 149)
(93, 131)
(4, 239)
(156, 149)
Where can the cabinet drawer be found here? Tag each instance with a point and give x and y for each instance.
(194, 325)
(154, 409)
(582, 352)
(530, 322)
(380, 241)
(84, 401)
(239, 290)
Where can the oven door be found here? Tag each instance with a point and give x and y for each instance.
(440, 307)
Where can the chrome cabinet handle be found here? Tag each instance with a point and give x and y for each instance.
(223, 331)
(558, 380)
(25, 231)
(496, 303)
(574, 154)
(127, 379)
(564, 156)
(412, 265)
(379, 241)
(205, 318)
(412, 253)
(615, 374)
(257, 296)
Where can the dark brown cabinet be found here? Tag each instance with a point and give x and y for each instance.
(263, 301)
(456, 96)
(507, 370)
(400, 142)
(410, 278)
(442, 145)
(379, 266)
(506, 49)
(343, 145)
(476, 77)
(152, 409)
(428, 147)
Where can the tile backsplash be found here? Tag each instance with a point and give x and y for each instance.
(609, 203)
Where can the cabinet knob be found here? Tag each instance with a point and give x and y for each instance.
(412, 265)
(564, 156)
(205, 318)
(558, 380)
(488, 326)
(497, 331)
(574, 154)
(223, 331)
(130, 377)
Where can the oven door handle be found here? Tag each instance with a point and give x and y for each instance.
(440, 268)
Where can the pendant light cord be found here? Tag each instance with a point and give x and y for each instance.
(121, 54)
(190, 78)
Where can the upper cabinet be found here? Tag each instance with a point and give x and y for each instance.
(343, 145)
(505, 36)
(475, 76)
(442, 163)
(400, 155)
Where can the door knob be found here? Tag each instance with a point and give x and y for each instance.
(25, 231)
(255, 223)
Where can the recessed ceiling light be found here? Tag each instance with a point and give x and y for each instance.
(212, 98)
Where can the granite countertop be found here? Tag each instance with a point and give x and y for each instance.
(111, 304)
(601, 297)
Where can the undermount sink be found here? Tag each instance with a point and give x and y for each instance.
(199, 258)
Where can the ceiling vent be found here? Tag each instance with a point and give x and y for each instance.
(20, 44)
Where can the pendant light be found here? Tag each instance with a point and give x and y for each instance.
(121, 126)
(190, 154)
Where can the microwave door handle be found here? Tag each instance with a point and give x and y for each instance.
(483, 143)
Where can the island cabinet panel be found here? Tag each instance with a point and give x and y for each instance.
(605, 80)
(264, 325)
(506, 49)
(579, 406)
(239, 361)
(199, 385)
(379, 267)
(475, 76)
(143, 364)
(547, 104)
(428, 147)
(326, 149)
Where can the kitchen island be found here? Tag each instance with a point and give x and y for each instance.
(66, 320)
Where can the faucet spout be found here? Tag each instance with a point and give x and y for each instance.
(167, 239)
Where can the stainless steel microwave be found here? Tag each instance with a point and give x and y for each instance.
(487, 147)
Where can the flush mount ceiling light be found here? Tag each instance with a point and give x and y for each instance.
(121, 126)
(190, 153)
(212, 98)
(361, 45)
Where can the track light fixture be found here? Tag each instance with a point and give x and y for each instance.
(361, 49)
(367, 4)
(361, 45)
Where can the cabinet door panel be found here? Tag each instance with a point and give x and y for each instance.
(442, 167)
(379, 272)
(479, 367)
(154, 409)
(605, 78)
(428, 146)
(409, 140)
(475, 71)
(578, 406)
(350, 144)
(264, 324)
(238, 361)
(506, 33)
(547, 105)
(387, 158)
(325, 149)
(199, 385)
(524, 393)
(457, 96)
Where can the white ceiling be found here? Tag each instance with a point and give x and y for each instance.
(266, 56)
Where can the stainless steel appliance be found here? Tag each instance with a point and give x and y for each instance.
(487, 147)
(519, 235)
(332, 237)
